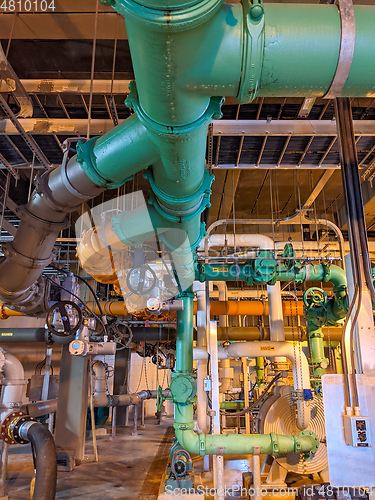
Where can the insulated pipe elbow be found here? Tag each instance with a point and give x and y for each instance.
(12, 383)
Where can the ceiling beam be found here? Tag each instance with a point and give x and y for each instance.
(65, 86)
(308, 128)
(62, 26)
(220, 127)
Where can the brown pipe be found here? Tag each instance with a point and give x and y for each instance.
(253, 333)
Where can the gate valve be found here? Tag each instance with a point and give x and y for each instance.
(315, 298)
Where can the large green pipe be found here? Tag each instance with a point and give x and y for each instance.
(301, 51)
(241, 51)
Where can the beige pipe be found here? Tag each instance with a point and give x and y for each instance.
(292, 351)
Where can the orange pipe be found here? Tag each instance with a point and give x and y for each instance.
(251, 308)
(217, 308)
(5, 312)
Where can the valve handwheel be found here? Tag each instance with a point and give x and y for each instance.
(315, 297)
(68, 314)
(141, 279)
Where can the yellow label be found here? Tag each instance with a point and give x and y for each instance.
(220, 269)
(267, 348)
(7, 334)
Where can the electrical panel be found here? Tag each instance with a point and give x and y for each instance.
(357, 431)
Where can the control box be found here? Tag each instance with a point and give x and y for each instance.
(357, 431)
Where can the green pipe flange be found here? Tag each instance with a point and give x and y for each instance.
(170, 20)
(178, 216)
(213, 112)
(253, 49)
(166, 199)
(313, 435)
(86, 159)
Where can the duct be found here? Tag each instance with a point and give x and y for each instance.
(292, 351)
(12, 383)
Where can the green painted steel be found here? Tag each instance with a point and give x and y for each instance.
(115, 157)
(184, 335)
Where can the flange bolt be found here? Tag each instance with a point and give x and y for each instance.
(256, 12)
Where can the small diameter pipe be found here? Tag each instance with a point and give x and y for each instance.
(202, 417)
(246, 392)
(102, 399)
(45, 459)
(301, 375)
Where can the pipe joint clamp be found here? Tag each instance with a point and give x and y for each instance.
(252, 54)
(86, 158)
(213, 112)
(179, 19)
(274, 443)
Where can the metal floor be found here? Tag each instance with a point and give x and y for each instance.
(129, 467)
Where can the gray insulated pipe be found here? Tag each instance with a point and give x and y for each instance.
(58, 192)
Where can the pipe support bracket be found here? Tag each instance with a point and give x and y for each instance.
(347, 44)
(253, 49)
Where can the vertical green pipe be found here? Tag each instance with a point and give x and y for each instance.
(184, 334)
(316, 350)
